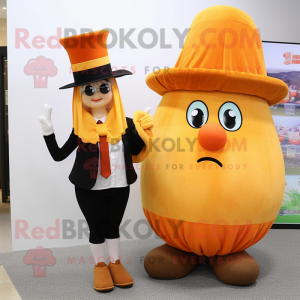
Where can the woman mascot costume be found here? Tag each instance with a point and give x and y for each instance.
(107, 143)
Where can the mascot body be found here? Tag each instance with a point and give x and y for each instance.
(217, 177)
(107, 144)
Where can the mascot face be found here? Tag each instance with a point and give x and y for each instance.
(216, 168)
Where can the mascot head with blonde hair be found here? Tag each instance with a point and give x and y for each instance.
(93, 77)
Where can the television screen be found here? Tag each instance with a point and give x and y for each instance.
(283, 62)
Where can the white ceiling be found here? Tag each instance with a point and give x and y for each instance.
(2, 11)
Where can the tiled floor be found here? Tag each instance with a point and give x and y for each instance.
(5, 233)
(7, 289)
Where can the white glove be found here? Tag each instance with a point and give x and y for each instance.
(45, 120)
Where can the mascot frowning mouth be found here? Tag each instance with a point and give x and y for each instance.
(210, 159)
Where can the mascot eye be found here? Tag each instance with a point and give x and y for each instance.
(104, 88)
(197, 114)
(89, 90)
(230, 116)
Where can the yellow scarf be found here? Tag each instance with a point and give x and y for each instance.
(88, 130)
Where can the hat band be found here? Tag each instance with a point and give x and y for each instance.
(90, 64)
(92, 75)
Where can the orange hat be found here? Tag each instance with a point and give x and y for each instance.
(222, 52)
(89, 58)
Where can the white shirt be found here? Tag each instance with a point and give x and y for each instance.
(117, 177)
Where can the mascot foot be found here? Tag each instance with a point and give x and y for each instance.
(236, 269)
(102, 278)
(166, 262)
(119, 274)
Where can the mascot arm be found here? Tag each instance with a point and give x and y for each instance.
(143, 124)
(137, 143)
(59, 154)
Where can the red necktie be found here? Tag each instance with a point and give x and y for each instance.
(104, 156)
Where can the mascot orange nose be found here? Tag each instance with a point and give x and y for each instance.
(212, 136)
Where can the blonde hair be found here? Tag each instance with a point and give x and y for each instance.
(85, 126)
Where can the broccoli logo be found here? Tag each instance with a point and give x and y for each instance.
(39, 258)
(40, 68)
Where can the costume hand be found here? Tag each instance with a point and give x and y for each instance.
(146, 121)
(45, 120)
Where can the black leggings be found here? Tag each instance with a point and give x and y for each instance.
(103, 211)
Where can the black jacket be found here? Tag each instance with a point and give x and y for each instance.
(85, 169)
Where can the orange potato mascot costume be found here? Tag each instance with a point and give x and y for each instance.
(214, 181)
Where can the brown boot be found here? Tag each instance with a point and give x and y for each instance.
(102, 278)
(236, 269)
(119, 274)
(166, 262)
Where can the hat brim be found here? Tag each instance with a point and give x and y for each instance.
(116, 74)
(271, 89)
